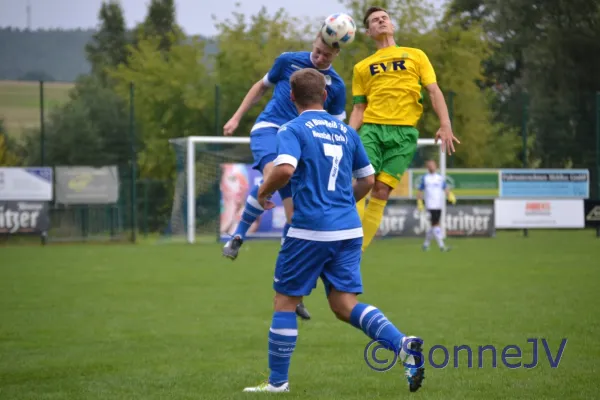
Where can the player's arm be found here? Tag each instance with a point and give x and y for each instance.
(359, 101)
(362, 186)
(256, 92)
(284, 166)
(253, 96)
(438, 102)
(362, 171)
(449, 195)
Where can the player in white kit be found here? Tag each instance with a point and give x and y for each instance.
(434, 190)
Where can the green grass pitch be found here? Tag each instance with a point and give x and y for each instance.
(175, 321)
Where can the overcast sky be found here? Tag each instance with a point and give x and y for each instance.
(193, 15)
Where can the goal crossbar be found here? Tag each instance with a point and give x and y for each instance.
(190, 141)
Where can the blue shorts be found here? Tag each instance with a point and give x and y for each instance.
(301, 262)
(263, 144)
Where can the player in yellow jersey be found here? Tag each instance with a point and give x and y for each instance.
(386, 88)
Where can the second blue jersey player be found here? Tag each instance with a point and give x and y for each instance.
(320, 156)
(279, 110)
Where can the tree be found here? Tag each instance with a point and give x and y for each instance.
(173, 98)
(108, 46)
(457, 55)
(546, 55)
(160, 23)
(247, 52)
(8, 158)
(90, 129)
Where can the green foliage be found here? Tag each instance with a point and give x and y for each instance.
(543, 72)
(160, 23)
(90, 129)
(7, 156)
(172, 98)
(457, 55)
(493, 58)
(247, 51)
(108, 47)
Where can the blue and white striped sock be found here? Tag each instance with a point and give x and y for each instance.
(375, 325)
(282, 342)
(252, 211)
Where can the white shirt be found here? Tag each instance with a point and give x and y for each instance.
(433, 187)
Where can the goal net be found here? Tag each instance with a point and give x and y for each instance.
(215, 174)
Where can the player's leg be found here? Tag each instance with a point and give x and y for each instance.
(369, 137)
(288, 206)
(297, 270)
(436, 229)
(398, 146)
(360, 207)
(343, 283)
(263, 143)
(428, 234)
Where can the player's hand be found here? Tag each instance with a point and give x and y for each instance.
(230, 127)
(447, 137)
(265, 202)
(452, 198)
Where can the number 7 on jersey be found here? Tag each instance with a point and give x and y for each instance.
(336, 152)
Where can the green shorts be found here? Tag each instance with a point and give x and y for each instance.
(390, 149)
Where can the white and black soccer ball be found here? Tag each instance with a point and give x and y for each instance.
(338, 30)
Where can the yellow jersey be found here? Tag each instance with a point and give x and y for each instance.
(390, 82)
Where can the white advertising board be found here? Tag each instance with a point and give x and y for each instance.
(538, 213)
(26, 184)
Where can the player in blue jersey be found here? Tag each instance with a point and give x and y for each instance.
(320, 155)
(279, 110)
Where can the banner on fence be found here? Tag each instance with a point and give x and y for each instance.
(30, 184)
(87, 185)
(23, 217)
(592, 213)
(460, 220)
(538, 213)
(465, 183)
(545, 183)
(236, 181)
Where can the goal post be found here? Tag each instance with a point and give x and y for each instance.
(199, 163)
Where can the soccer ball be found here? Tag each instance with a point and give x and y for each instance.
(338, 30)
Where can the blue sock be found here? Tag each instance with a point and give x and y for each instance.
(252, 211)
(282, 342)
(372, 322)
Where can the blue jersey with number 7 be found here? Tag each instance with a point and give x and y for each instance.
(327, 154)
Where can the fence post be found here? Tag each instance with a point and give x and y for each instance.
(42, 126)
(598, 153)
(217, 110)
(133, 204)
(146, 181)
(451, 95)
(218, 132)
(525, 119)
